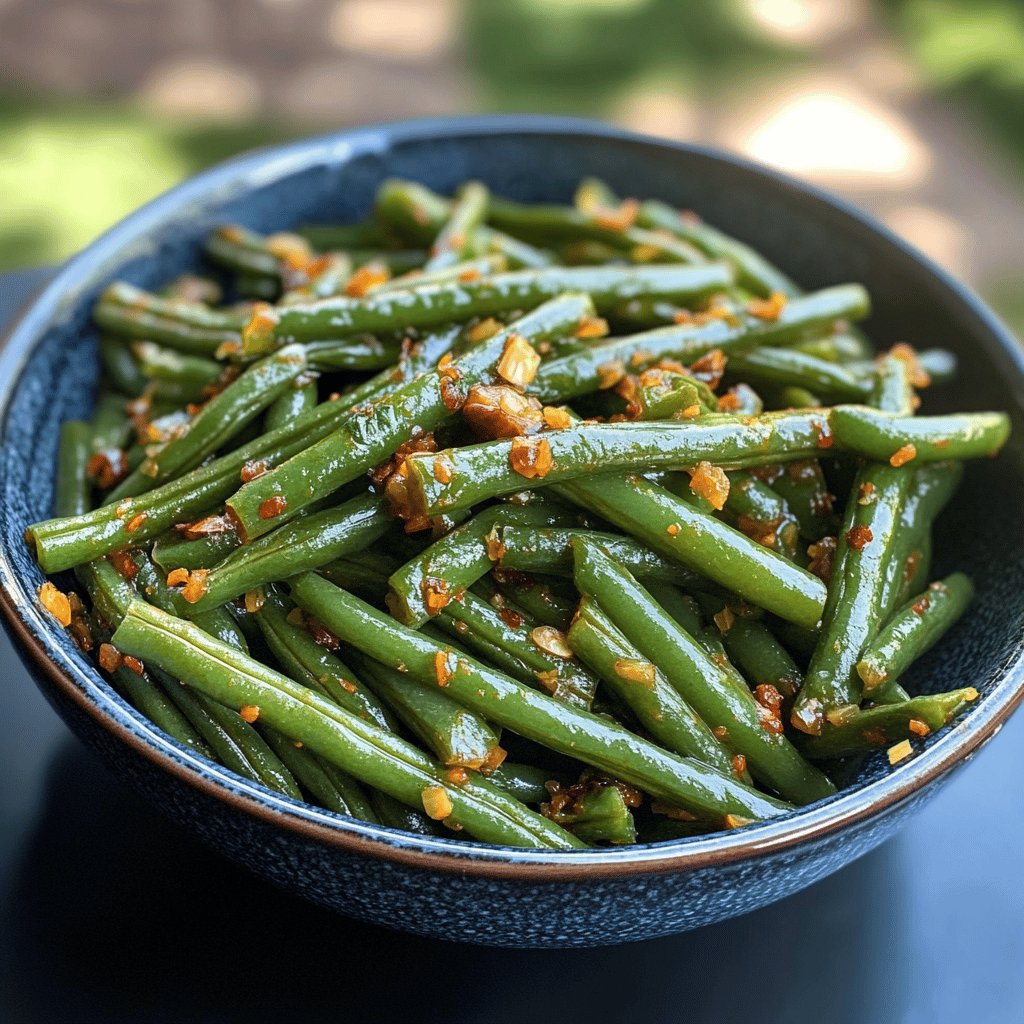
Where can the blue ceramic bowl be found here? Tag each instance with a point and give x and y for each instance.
(453, 888)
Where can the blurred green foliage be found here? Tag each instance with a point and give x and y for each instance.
(570, 56)
(973, 51)
(69, 169)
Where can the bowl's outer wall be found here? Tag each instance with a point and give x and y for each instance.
(815, 241)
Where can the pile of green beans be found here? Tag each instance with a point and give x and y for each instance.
(336, 526)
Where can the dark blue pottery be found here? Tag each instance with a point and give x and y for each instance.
(450, 887)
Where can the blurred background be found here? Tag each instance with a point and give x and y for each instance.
(912, 108)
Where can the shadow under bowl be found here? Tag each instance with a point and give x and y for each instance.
(454, 888)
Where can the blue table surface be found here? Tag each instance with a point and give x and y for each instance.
(109, 912)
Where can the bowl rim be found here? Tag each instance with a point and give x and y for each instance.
(90, 693)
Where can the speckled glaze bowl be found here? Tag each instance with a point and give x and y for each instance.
(453, 888)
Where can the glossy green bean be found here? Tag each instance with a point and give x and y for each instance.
(296, 401)
(433, 305)
(545, 598)
(702, 543)
(802, 485)
(375, 432)
(638, 682)
(878, 727)
(698, 678)
(475, 473)
(465, 215)
(912, 630)
(853, 611)
(606, 361)
(304, 543)
(882, 436)
(375, 757)
(221, 419)
(762, 513)
(72, 487)
(833, 382)
(507, 703)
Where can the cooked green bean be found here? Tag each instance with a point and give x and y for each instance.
(454, 239)
(833, 382)
(912, 630)
(572, 731)
(751, 729)
(875, 728)
(375, 757)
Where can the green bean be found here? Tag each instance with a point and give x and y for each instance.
(853, 610)
(325, 237)
(524, 781)
(375, 757)
(506, 636)
(779, 366)
(698, 678)
(887, 724)
(753, 271)
(217, 422)
(63, 543)
(550, 551)
(328, 785)
(465, 215)
(760, 657)
(659, 707)
(72, 488)
(543, 223)
(457, 560)
(599, 815)
(193, 375)
(455, 735)
(325, 276)
(762, 513)
(883, 436)
(912, 630)
(571, 731)
(419, 214)
(119, 367)
(702, 543)
(801, 484)
(296, 401)
(606, 361)
(539, 596)
(177, 549)
(307, 542)
(394, 814)
(358, 352)
(892, 391)
(433, 305)
(374, 433)
(309, 663)
(131, 312)
(240, 249)
(475, 473)
(836, 347)
(464, 270)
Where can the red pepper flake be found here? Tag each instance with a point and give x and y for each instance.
(107, 467)
(252, 469)
(123, 562)
(902, 456)
(136, 522)
(272, 507)
(721, 733)
(767, 309)
(916, 373)
(531, 457)
(921, 605)
(859, 536)
(822, 558)
(672, 529)
(739, 765)
(249, 713)
(134, 664)
(511, 618)
(441, 671)
(918, 728)
(321, 634)
(769, 708)
(56, 603)
(470, 274)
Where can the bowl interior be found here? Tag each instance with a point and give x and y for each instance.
(50, 368)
